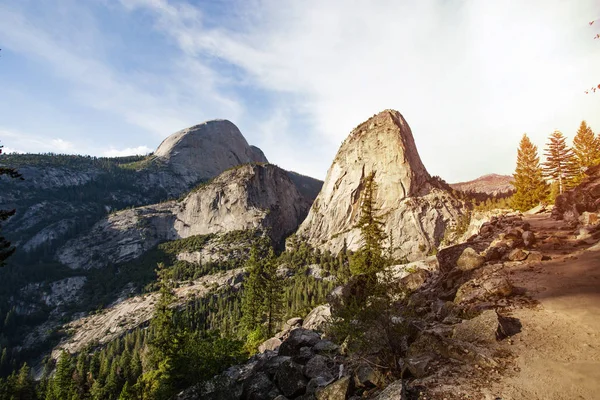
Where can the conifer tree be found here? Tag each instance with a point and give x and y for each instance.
(369, 259)
(559, 164)
(262, 296)
(586, 150)
(529, 182)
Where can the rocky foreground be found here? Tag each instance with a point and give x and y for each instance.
(513, 313)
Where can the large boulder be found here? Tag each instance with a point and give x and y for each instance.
(298, 339)
(269, 344)
(317, 318)
(318, 366)
(481, 329)
(469, 260)
(570, 205)
(416, 208)
(260, 387)
(290, 379)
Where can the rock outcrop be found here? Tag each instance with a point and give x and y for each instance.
(415, 208)
(206, 150)
(570, 205)
(254, 196)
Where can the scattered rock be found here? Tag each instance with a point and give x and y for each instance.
(469, 260)
(518, 255)
(293, 323)
(481, 329)
(338, 390)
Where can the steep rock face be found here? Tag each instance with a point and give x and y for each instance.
(249, 197)
(415, 210)
(205, 150)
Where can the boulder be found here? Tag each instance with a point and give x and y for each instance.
(260, 387)
(317, 383)
(337, 390)
(293, 323)
(326, 347)
(495, 252)
(395, 391)
(528, 238)
(269, 344)
(518, 255)
(318, 366)
(469, 260)
(304, 354)
(415, 280)
(317, 318)
(290, 379)
(297, 339)
(481, 329)
(367, 376)
(419, 366)
(271, 365)
(535, 256)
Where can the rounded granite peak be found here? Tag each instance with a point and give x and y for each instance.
(205, 150)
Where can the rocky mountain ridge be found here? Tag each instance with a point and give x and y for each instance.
(415, 209)
(248, 197)
(492, 184)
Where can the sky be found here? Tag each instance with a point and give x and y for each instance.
(115, 77)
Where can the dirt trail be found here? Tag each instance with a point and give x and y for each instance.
(558, 350)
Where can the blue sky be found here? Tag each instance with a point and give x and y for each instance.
(110, 77)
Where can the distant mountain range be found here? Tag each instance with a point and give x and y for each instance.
(493, 184)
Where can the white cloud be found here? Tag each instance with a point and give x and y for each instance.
(61, 146)
(470, 77)
(130, 151)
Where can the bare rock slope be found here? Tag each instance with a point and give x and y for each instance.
(251, 196)
(416, 210)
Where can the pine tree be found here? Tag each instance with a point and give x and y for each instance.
(586, 149)
(529, 182)
(262, 296)
(559, 164)
(369, 259)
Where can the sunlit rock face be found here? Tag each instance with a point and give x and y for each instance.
(415, 209)
(205, 150)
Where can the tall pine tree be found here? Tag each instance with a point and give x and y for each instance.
(529, 182)
(586, 150)
(559, 165)
(369, 259)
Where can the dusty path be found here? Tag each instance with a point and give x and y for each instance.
(558, 350)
